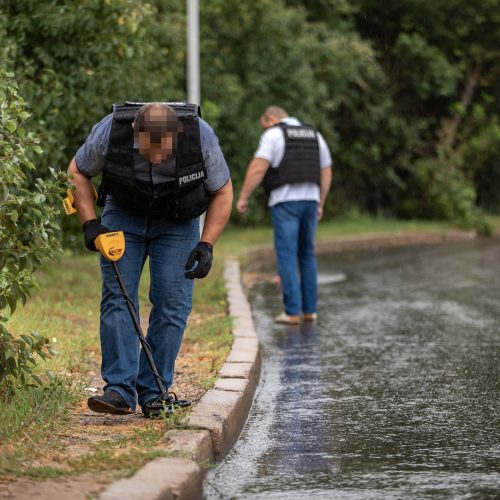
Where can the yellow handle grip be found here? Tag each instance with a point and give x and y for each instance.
(111, 245)
(69, 201)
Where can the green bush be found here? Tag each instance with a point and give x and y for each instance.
(387, 85)
(440, 190)
(29, 208)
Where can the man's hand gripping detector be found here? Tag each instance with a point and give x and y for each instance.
(111, 245)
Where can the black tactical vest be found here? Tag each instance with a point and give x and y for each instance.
(300, 161)
(181, 199)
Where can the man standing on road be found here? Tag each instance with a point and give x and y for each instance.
(161, 168)
(294, 163)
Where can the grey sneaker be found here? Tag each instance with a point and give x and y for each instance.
(287, 319)
(310, 317)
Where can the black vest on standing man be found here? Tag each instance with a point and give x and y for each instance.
(300, 161)
(181, 199)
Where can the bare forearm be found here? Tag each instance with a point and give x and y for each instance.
(255, 173)
(252, 181)
(83, 193)
(326, 182)
(218, 213)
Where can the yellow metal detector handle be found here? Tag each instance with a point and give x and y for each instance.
(69, 201)
(111, 245)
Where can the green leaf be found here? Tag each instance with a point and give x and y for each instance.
(12, 304)
(11, 365)
(39, 198)
(11, 126)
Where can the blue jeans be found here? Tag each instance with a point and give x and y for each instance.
(294, 224)
(168, 245)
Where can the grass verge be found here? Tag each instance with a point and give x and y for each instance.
(235, 240)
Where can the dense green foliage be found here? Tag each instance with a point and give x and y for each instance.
(405, 92)
(28, 230)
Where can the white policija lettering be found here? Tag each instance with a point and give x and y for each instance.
(300, 133)
(185, 179)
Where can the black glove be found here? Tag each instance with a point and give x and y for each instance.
(91, 230)
(202, 253)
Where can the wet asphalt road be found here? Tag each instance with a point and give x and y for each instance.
(393, 394)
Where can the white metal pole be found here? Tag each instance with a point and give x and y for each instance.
(193, 47)
(193, 62)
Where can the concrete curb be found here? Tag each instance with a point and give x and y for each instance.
(162, 478)
(215, 422)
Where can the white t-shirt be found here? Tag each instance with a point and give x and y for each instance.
(272, 148)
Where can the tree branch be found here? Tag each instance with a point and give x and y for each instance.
(451, 125)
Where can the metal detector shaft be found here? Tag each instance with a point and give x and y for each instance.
(138, 330)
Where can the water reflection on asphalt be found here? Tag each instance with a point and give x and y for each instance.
(393, 394)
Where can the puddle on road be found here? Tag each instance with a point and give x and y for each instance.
(328, 279)
(393, 394)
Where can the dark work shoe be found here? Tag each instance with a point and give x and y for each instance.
(162, 406)
(110, 402)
